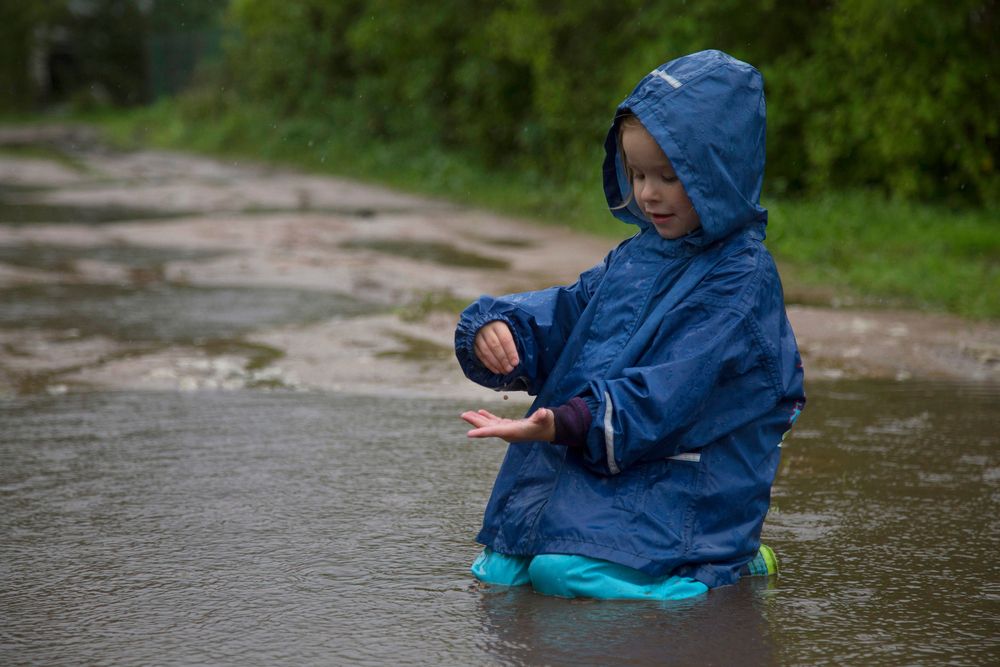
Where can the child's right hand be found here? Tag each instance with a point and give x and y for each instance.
(540, 426)
(495, 347)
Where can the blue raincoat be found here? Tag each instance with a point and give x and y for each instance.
(680, 348)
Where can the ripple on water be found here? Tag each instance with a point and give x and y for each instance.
(238, 527)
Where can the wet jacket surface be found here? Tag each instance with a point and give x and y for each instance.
(680, 348)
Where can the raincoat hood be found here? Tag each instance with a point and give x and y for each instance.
(706, 111)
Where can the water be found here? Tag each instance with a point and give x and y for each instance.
(31, 212)
(428, 251)
(167, 312)
(24, 210)
(54, 257)
(281, 528)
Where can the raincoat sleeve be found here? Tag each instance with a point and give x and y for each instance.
(541, 322)
(713, 369)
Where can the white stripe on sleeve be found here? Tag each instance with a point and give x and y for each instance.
(609, 435)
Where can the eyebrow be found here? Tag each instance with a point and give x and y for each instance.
(665, 166)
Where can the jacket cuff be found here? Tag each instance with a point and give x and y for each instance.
(465, 339)
(597, 455)
(572, 423)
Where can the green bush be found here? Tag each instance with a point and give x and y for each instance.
(89, 53)
(902, 95)
(18, 23)
(898, 95)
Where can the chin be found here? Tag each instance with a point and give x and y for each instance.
(670, 234)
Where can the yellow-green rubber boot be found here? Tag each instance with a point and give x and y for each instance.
(765, 563)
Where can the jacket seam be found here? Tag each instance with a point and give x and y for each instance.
(770, 362)
(770, 355)
(742, 298)
(600, 544)
(648, 92)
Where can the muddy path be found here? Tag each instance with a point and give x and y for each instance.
(157, 270)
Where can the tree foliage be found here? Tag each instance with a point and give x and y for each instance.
(54, 51)
(899, 95)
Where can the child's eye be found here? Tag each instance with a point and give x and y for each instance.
(669, 179)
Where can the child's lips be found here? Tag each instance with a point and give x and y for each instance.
(661, 218)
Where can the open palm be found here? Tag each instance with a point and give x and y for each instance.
(539, 426)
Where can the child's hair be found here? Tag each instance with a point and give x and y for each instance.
(626, 120)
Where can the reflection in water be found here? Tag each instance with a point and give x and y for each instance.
(724, 627)
(264, 528)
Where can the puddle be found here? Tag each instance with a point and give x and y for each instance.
(503, 242)
(150, 527)
(223, 363)
(19, 211)
(63, 258)
(44, 152)
(432, 302)
(428, 251)
(26, 212)
(167, 312)
(340, 211)
(417, 349)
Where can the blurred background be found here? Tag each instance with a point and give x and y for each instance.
(883, 135)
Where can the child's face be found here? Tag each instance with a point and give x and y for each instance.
(655, 185)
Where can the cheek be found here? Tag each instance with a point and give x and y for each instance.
(684, 203)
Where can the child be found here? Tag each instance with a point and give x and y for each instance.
(665, 377)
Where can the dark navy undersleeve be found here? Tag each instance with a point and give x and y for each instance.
(572, 423)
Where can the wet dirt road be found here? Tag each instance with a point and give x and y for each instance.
(154, 270)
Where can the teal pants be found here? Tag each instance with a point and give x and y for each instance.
(571, 576)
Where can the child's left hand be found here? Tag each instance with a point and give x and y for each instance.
(541, 425)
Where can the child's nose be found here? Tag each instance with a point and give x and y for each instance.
(648, 192)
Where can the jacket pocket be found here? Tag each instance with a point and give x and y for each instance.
(630, 487)
(671, 487)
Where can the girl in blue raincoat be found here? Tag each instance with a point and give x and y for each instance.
(665, 377)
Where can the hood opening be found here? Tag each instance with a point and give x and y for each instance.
(707, 113)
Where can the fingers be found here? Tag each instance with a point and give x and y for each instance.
(495, 348)
(508, 344)
(492, 351)
(487, 425)
(540, 415)
(477, 419)
(545, 421)
(486, 432)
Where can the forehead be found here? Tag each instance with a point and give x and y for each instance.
(640, 148)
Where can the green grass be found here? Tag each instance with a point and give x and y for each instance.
(846, 247)
(894, 252)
